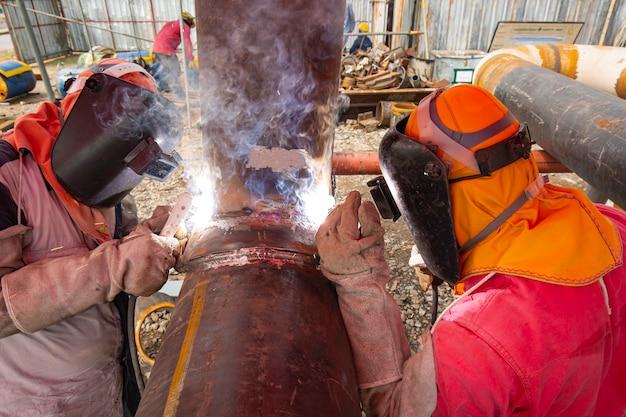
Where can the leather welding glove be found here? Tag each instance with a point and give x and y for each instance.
(46, 292)
(354, 260)
(158, 219)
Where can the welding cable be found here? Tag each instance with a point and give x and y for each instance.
(435, 303)
(132, 301)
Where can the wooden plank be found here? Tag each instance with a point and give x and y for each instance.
(362, 101)
(6, 124)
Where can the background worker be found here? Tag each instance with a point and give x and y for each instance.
(65, 269)
(164, 51)
(538, 328)
(362, 42)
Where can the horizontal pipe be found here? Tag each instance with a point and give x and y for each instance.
(581, 126)
(366, 163)
(600, 67)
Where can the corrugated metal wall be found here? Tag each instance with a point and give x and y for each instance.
(126, 24)
(446, 25)
(470, 24)
(49, 31)
(65, 26)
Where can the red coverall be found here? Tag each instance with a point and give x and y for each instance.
(543, 377)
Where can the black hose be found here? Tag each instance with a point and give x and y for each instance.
(434, 305)
(131, 343)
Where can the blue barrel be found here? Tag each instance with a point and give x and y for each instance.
(130, 56)
(16, 78)
(65, 74)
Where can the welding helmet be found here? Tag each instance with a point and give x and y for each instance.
(189, 19)
(117, 130)
(457, 133)
(364, 27)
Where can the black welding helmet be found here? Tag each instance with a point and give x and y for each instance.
(116, 133)
(459, 133)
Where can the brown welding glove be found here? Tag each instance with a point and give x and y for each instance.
(45, 292)
(158, 219)
(355, 261)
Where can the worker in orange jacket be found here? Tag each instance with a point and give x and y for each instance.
(539, 325)
(65, 268)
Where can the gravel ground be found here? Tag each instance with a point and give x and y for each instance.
(413, 301)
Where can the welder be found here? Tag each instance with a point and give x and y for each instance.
(66, 270)
(538, 328)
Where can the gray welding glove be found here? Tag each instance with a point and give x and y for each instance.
(46, 292)
(353, 258)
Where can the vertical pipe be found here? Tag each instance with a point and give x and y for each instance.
(33, 44)
(256, 329)
(86, 29)
(181, 24)
(271, 90)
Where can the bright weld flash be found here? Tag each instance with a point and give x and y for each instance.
(203, 207)
(317, 205)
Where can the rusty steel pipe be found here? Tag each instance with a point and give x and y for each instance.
(581, 126)
(366, 163)
(256, 330)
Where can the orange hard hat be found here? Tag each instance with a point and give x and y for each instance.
(116, 67)
(458, 121)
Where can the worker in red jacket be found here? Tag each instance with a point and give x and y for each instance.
(66, 268)
(168, 71)
(539, 325)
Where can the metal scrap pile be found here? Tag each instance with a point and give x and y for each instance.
(381, 68)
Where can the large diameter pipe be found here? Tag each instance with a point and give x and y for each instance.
(580, 126)
(600, 67)
(256, 330)
(271, 95)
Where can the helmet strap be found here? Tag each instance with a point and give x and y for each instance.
(506, 152)
(114, 70)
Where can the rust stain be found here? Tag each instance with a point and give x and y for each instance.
(569, 60)
(612, 126)
(620, 84)
(176, 386)
(493, 70)
(560, 58)
(548, 56)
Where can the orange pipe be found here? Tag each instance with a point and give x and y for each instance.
(366, 163)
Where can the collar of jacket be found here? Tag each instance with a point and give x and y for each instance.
(36, 133)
